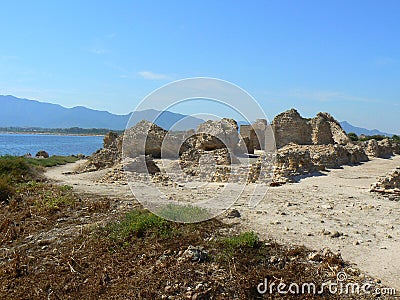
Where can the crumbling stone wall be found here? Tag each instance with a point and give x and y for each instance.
(383, 149)
(249, 138)
(290, 127)
(396, 147)
(339, 136)
(372, 149)
(260, 129)
(109, 139)
(321, 131)
(219, 134)
(296, 160)
(291, 162)
(108, 156)
(194, 161)
(257, 135)
(146, 138)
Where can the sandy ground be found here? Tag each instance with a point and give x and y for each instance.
(335, 210)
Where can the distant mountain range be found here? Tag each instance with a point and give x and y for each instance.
(359, 130)
(19, 112)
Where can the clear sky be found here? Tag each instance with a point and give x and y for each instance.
(337, 56)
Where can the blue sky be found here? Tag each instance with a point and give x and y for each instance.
(337, 56)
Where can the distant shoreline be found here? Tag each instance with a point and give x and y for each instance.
(50, 133)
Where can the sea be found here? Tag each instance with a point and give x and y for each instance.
(21, 144)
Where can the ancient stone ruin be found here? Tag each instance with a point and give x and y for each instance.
(383, 148)
(294, 161)
(212, 135)
(290, 127)
(217, 152)
(108, 156)
(146, 138)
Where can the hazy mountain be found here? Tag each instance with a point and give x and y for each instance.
(359, 130)
(19, 112)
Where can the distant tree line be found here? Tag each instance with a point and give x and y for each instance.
(362, 138)
(72, 130)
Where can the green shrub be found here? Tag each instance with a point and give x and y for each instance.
(353, 136)
(376, 137)
(65, 188)
(184, 213)
(243, 240)
(51, 161)
(46, 197)
(17, 168)
(22, 169)
(53, 200)
(137, 224)
(6, 189)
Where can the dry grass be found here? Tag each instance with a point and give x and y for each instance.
(141, 256)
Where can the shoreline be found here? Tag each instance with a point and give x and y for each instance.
(51, 133)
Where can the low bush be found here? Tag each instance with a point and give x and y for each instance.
(17, 169)
(184, 213)
(243, 240)
(138, 223)
(51, 161)
(6, 189)
(45, 197)
(353, 136)
(376, 137)
(23, 169)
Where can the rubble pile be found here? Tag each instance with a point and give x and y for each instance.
(137, 169)
(390, 183)
(141, 164)
(115, 175)
(108, 156)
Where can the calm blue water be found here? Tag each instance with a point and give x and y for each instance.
(20, 144)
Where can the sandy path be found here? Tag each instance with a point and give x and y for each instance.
(86, 182)
(308, 213)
